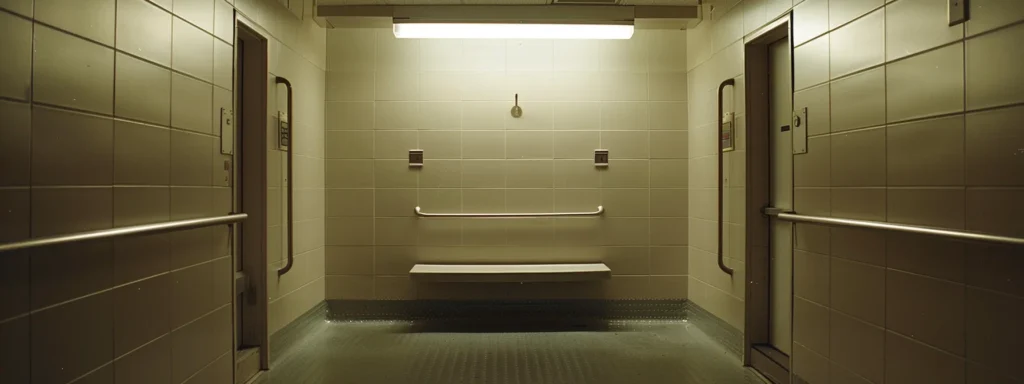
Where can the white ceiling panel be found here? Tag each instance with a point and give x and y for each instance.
(491, 2)
(503, 2)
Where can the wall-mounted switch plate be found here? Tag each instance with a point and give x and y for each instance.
(957, 11)
(799, 128)
(728, 134)
(227, 131)
(415, 158)
(600, 157)
(227, 172)
(284, 129)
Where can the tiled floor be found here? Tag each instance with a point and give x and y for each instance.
(618, 351)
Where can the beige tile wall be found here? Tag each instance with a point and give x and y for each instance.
(715, 55)
(912, 121)
(452, 98)
(110, 117)
(298, 53)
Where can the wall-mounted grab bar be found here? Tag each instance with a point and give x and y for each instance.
(598, 212)
(721, 204)
(144, 229)
(839, 222)
(291, 180)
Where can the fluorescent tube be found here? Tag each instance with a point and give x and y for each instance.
(511, 31)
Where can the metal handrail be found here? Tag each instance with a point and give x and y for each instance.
(721, 203)
(143, 229)
(598, 212)
(291, 186)
(946, 233)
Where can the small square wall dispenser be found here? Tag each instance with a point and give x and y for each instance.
(415, 158)
(601, 158)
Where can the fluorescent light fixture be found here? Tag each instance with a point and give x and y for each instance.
(511, 31)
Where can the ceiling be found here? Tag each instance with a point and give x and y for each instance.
(648, 14)
(492, 2)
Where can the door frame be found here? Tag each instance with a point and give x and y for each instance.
(252, 143)
(757, 350)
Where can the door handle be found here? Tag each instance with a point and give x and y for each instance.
(721, 204)
(291, 181)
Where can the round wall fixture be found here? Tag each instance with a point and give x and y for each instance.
(516, 110)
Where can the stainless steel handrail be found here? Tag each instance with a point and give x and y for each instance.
(291, 143)
(598, 212)
(721, 190)
(143, 229)
(946, 233)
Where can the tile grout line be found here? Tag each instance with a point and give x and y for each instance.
(113, 168)
(885, 155)
(202, 316)
(119, 286)
(230, 351)
(373, 173)
(308, 283)
(885, 61)
(929, 117)
(31, 177)
(113, 117)
(966, 178)
(114, 359)
(114, 48)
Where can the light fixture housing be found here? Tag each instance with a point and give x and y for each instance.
(573, 21)
(433, 30)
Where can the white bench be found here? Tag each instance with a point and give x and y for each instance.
(518, 273)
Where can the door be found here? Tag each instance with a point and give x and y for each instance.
(781, 195)
(251, 264)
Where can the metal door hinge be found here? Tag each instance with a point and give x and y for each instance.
(241, 282)
(957, 12)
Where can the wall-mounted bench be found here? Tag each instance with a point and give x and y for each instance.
(517, 273)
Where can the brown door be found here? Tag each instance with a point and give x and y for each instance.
(251, 261)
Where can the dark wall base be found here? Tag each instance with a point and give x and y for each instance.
(553, 315)
(723, 333)
(294, 331)
(505, 310)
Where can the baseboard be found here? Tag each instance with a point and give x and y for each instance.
(299, 327)
(535, 310)
(716, 328)
(766, 361)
